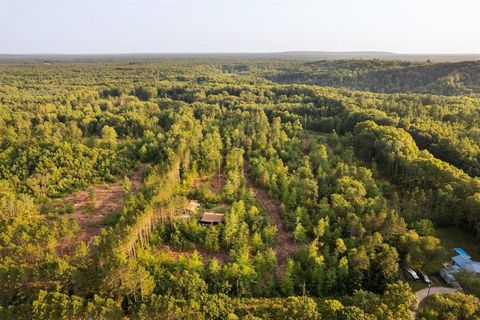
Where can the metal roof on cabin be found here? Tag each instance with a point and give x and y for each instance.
(212, 217)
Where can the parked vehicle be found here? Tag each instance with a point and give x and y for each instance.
(423, 276)
(412, 274)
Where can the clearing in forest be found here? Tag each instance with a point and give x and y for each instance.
(91, 207)
(285, 246)
(216, 183)
(221, 255)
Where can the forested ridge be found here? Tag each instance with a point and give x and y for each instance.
(360, 183)
(444, 78)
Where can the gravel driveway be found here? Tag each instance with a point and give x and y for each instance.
(422, 294)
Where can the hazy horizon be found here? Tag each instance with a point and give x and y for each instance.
(238, 26)
(213, 53)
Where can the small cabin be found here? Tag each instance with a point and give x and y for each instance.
(211, 218)
(192, 206)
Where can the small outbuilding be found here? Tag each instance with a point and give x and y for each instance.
(211, 218)
(192, 206)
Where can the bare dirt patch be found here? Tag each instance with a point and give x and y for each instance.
(217, 182)
(90, 213)
(174, 254)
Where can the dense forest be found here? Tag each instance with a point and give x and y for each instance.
(446, 78)
(326, 194)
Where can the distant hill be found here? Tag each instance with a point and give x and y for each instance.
(287, 55)
(328, 55)
(446, 78)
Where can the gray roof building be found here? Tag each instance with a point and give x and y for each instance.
(467, 264)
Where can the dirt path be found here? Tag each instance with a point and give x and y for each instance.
(90, 213)
(285, 245)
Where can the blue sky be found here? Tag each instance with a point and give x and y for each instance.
(127, 26)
